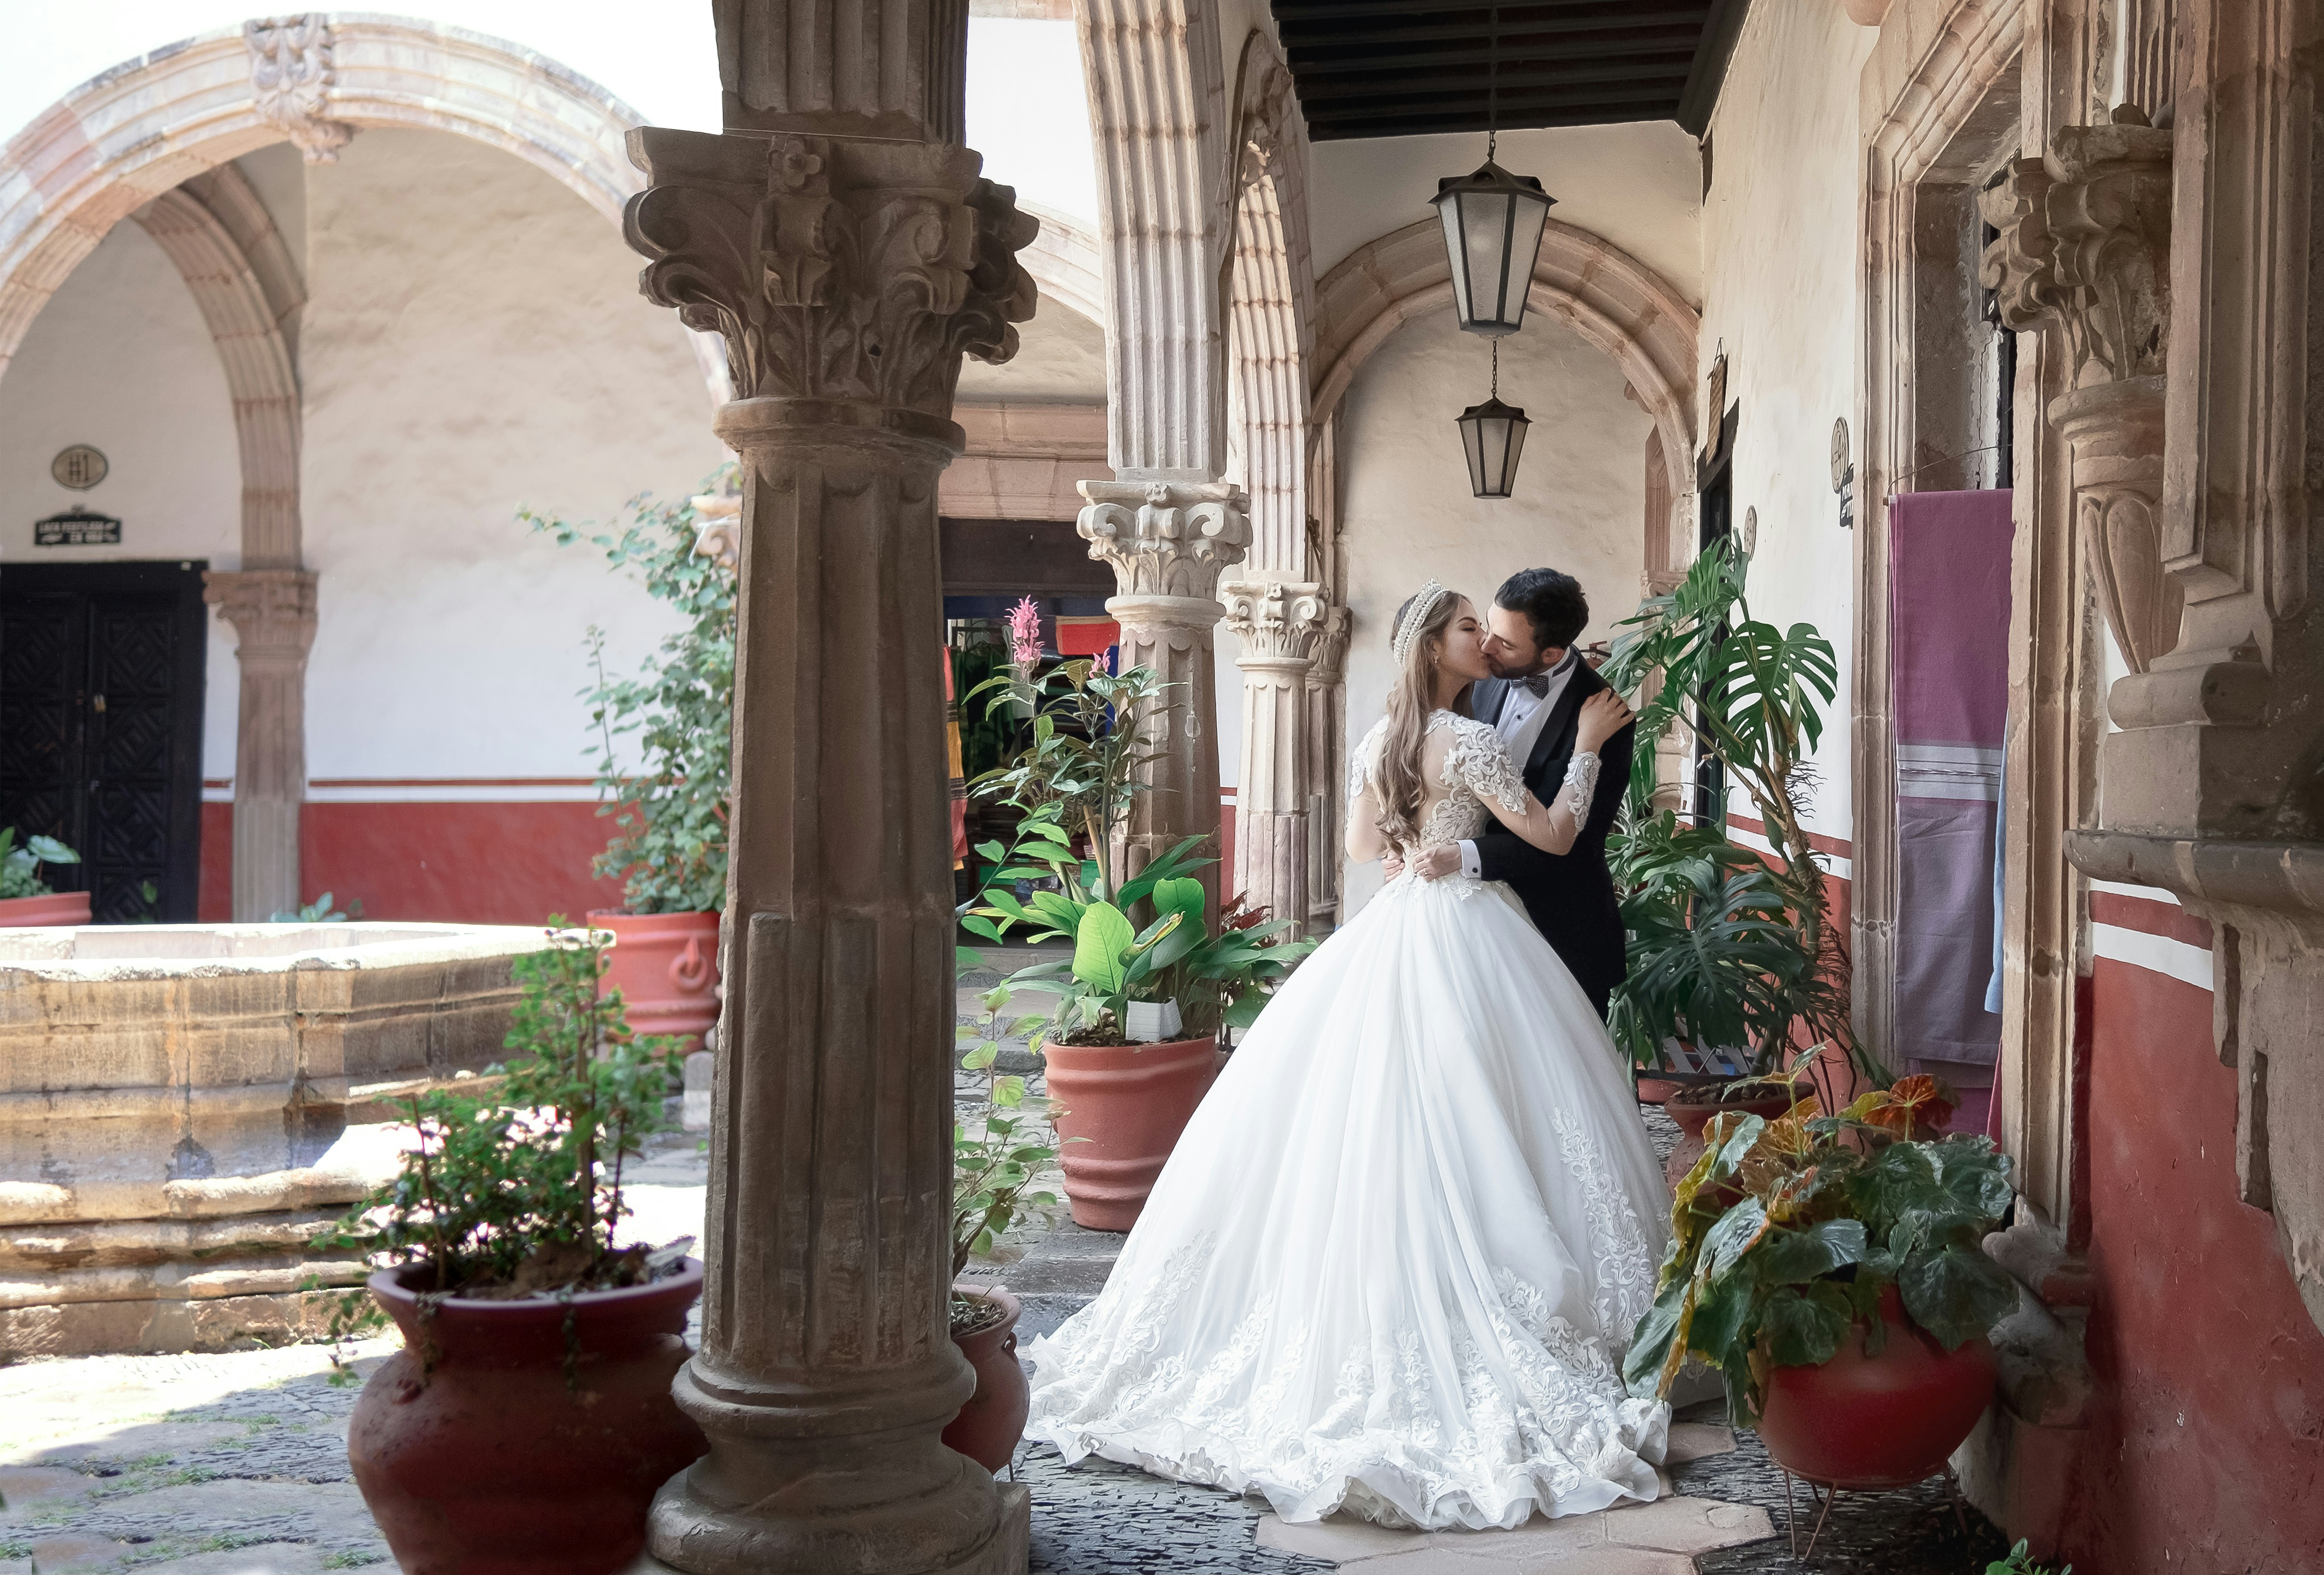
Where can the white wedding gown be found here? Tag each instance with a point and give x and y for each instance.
(1393, 1262)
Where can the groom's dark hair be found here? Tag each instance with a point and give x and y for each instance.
(1551, 602)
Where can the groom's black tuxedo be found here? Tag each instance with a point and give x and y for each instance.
(1570, 896)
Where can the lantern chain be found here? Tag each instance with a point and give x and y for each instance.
(1493, 84)
(1497, 370)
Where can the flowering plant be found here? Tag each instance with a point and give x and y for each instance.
(1024, 633)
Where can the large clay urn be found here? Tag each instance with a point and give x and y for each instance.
(1119, 1109)
(1884, 1420)
(666, 966)
(987, 1427)
(500, 1441)
(56, 908)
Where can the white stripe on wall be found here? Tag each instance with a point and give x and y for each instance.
(1833, 863)
(2155, 953)
(2147, 893)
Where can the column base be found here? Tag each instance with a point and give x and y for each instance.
(1008, 1553)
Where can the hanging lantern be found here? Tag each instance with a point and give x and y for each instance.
(1493, 234)
(1492, 435)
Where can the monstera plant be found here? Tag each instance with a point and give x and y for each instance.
(1752, 695)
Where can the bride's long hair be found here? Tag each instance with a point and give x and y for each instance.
(1411, 697)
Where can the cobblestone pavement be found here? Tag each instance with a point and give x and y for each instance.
(236, 1464)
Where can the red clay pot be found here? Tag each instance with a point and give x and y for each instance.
(666, 966)
(1655, 1091)
(1692, 1107)
(1879, 1422)
(486, 1464)
(57, 908)
(987, 1427)
(1126, 1105)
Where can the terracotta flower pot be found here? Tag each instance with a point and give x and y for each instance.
(1879, 1422)
(1118, 1111)
(1655, 1091)
(57, 908)
(488, 1459)
(987, 1427)
(666, 966)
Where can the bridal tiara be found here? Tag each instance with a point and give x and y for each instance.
(1424, 603)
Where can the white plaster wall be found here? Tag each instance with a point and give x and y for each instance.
(474, 340)
(1639, 186)
(1780, 289)
(1579, 505)
(120, 358)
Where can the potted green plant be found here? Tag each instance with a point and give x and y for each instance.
(664, 761)
(26, 900)
(1829, 1268)
(999, 1161)
(1751, 694)
(528, 1422)
(1125, 1099)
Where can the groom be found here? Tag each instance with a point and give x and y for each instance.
(1538, 685)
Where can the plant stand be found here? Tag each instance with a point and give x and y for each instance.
(1832, 1490)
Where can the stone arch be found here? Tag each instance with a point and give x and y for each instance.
(1065, 262)
(245, 304)
(1269, 293)
(124, 138)
(1613, 300)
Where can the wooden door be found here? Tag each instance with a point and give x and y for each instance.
(101, 676)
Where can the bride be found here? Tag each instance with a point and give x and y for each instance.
(1392, 1265)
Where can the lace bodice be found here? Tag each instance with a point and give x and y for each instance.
(1467, 764)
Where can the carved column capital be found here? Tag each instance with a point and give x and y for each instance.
(1167, 542)
(291, 80)
(1280, 622)
(2085, 246)
(834, 269)
(273, 611)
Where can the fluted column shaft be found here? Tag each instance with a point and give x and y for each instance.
(272, 612)
(1280, 625)
(847, 277)
(1167, 543)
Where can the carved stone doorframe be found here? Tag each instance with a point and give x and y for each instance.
(1936, 93)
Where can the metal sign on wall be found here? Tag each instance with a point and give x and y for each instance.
(77, 528)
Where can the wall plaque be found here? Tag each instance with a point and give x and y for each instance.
(79, 467)
(77, 527)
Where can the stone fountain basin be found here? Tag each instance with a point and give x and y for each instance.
(183, 1108)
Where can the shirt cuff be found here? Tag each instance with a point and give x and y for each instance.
(1468, 863)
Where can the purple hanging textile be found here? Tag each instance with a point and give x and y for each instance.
(1948, 676)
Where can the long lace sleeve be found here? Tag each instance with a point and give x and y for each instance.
(1480, 760)
(1580, 785)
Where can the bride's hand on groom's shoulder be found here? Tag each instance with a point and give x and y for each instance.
(1603, 715)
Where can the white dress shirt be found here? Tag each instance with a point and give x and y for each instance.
(1519, 724)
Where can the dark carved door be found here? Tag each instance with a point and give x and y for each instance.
(101, 670)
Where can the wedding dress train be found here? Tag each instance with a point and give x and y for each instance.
(1393, 1264)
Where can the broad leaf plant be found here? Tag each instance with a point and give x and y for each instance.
(1785, 1232)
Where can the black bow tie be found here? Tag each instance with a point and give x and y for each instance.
(1537, 684)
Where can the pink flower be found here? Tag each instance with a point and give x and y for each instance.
(1024, 633)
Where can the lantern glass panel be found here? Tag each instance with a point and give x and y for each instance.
(1515, 446)
(1456, 249)
(1485, 224)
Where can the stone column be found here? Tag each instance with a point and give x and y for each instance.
(847, 273)
(1327, 768)
(1167, 542)
(1280, 625)
(272, 612)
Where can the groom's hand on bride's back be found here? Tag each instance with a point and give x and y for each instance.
(1391, 863)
